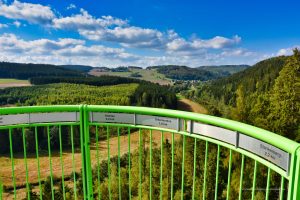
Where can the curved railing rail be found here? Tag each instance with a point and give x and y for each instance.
(63, 146)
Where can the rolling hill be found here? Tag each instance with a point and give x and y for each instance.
(225, 69)
(177, 72)
(81, 68)
(258, 78)
(26, 71)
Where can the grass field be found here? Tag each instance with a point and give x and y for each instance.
(5, 83)
(148, 75)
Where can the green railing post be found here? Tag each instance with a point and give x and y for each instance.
(89, 176)
(82, 148)
(1, 190)
(294, 184)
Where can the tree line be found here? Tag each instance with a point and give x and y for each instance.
(26, 71)
(92, 80)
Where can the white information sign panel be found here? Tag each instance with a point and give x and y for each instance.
(14, 119)
(265, 150)
(54, 117)
(218, 133)
(39, 118)
(112, 117)
(162, 122)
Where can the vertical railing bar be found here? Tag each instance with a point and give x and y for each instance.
(73, 162)
(241, 177)
(1, 190)
(281, 188)
(108, 162)
(119, 163)
(268, 184)
(140, 164)
(82, 148)
(217, 173)
(194, 172)
(38, 161)
(12, 163)
(161, 164)
(50, 162)
(182, 167)
(254, 180)
(88, 165)
(172, 171)
(129, 164)
(205, 171)
(25, 160)
(61, 163)
(150, 164)
(98, 162)
(229, 175)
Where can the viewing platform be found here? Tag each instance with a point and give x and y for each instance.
(128, 152)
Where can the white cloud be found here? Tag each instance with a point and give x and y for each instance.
(286, 51)
(71, 6)
(127, 36)
(218, 42)
(237, 52)
(3, 25)
(85, 21)
(33, 13)
(17, 24)
(15, 49)
(12, 44)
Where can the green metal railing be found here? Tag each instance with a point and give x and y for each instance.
(120, 152)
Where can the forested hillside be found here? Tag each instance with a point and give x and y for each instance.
(265, 95)
(96, 81)
(184, 73)
(26, 71)
(225, 69)
(82, 68)
(259, 78)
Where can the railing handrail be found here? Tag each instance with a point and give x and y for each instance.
(255, 132)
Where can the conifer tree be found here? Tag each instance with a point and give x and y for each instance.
(285, 98)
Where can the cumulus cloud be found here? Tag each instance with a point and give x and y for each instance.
(33, 13)
(71, 6)
(17, 24)
(85, 21)
(127, 36)
(286, 51)
(11, 43)
(218, 42)
(12, 46)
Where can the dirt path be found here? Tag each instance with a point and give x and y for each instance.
(191, 106)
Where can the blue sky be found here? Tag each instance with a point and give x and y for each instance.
(143, 33)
